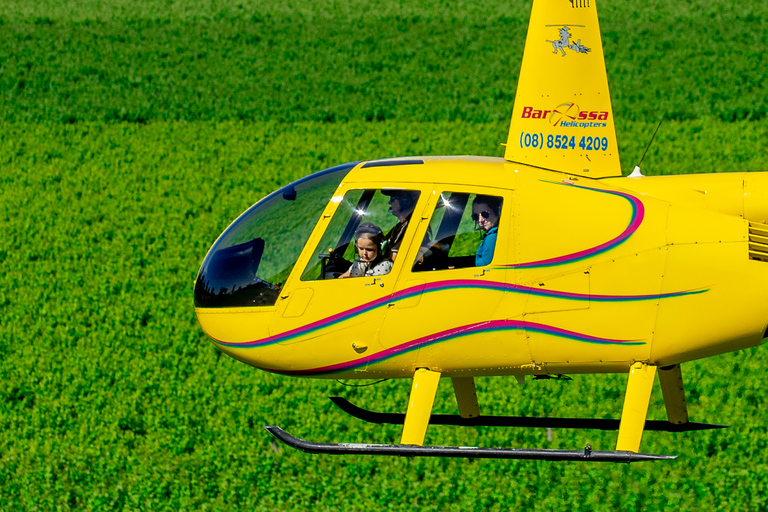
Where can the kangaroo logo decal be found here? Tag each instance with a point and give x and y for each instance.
(565, 41)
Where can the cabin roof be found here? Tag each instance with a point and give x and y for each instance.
(465, 170)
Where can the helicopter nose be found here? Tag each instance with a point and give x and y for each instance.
(243, 334)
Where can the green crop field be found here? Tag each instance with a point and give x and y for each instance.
(133, 133)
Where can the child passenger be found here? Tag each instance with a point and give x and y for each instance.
(373, 256)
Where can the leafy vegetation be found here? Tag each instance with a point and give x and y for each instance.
(112, 398)
(247, 61)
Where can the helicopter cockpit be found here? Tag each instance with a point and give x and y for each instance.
(452, 239)
(251, 260)
(249, 263)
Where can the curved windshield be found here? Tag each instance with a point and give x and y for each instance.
(252, 259)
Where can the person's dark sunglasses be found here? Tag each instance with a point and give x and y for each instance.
(485, 214)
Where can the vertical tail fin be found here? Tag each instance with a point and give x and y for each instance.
(562, 118)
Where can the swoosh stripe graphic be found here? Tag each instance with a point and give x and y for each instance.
(455, 284)
(638, 213)
(455, 333)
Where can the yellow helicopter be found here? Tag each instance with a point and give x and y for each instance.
(541, 263)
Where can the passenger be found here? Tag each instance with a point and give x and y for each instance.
(373, 255)
(401, 205)
(486, 211)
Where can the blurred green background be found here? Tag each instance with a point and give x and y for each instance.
(131, 134)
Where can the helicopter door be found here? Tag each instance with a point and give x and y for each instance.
(340, 299)
(447, 297)
(590, 279)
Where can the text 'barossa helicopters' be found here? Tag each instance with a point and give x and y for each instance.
(544, 262)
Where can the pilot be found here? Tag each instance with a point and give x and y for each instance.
(486, 211)
(373, 256)
(401, 205)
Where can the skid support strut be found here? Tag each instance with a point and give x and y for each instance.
(466, 396)
(671, 380)
(419, 410)
(639, 387)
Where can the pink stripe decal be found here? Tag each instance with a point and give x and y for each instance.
(638, 213)
(454, 333)
(455, 284)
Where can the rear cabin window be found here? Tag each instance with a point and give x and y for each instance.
(462, 232)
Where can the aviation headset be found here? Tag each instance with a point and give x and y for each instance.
(375, 234)
(407, 198)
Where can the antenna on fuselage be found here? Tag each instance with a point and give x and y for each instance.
(636, 173)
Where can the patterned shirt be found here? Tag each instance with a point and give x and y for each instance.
(360, 268)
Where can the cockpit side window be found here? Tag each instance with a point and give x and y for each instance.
(462, 232)
(364, 235)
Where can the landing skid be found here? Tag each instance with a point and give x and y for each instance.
(469, 452)
(514, 421)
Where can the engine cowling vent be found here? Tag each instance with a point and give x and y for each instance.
(758, 241)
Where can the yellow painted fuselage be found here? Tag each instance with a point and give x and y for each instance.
(588, 275)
